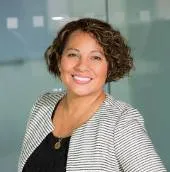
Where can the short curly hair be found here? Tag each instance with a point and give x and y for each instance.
(116, 50)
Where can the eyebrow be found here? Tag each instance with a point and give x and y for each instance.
(97, 51)
(68, 49)
(93, 51)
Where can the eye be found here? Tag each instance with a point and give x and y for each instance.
(98, 58)
(72, 55)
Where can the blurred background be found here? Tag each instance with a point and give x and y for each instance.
(28, 27)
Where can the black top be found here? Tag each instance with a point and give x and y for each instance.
(46, 158)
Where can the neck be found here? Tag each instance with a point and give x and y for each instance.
(77, 105)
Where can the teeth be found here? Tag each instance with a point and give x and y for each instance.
(81, 78)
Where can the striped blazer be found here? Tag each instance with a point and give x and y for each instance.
(112, 140)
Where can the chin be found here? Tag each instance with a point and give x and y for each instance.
(84, 92)
(81, 94)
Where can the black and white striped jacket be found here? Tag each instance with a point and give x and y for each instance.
(113, 140)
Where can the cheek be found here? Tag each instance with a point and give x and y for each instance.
(102, 71)
(65, 66)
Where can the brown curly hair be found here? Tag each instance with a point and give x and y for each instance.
(116, 50)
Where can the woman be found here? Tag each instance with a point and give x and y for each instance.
(84, 128)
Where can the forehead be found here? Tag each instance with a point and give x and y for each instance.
(79, 36)
(79, 33)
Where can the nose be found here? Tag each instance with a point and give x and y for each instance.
(82, 64)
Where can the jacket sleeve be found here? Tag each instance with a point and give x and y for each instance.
(134, 149)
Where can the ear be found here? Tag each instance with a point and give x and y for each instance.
(59, 67)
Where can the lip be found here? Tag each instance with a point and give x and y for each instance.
(81, 79)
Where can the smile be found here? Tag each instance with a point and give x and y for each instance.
(81, 79)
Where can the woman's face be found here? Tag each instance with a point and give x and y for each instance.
(83, 65)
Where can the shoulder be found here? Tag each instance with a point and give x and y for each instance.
(125, 112)
(117, 104)
(49, 97)
(46, 102)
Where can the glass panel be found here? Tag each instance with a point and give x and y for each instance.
(27, 28)
(146, 26)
